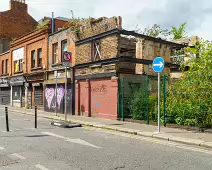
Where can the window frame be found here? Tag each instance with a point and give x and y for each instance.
(39, 57)
(33, 59)
(2, 69)
(7, 66)
(96, 50)
(54, 53)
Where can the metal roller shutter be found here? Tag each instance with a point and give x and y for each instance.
(38, 95)
(5, 96)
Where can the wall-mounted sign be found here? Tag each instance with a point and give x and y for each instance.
(18, 54)
(35, 84)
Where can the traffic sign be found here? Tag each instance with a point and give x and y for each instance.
(158, 65)
(67, 59)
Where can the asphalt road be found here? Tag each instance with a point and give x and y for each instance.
(55, 148)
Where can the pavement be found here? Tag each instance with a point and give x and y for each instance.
(90, 148)
(170, 134)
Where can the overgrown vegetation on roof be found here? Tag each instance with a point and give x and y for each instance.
(43, 26)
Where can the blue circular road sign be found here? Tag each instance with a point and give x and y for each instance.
(158, 65)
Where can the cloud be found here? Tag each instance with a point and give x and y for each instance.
(144, 13)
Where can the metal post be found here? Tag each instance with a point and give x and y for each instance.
(7, 120)
(35, 117)
(66, 95)
(56, 96)
(164, 100)
(122, 85)
(147, 98)
(158, 102)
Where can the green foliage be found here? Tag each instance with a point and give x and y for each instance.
(190, 98)
(154, 31)
(76, 23)
(180, 32)
(138, 104)
(45, 25)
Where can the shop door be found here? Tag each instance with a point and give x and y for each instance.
(5, 96)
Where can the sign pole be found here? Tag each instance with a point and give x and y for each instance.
(158, 67)
(158, 102)
(66, 95)
(56, 96)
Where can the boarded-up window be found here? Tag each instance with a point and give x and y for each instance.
(96, 50)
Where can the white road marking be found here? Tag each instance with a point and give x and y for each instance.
(1, 148)
(167, 143)
(82, 142)
(18, 156)
(78, 141)
(41, 167)
(6, 131)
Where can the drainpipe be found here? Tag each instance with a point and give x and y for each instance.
(53, 29)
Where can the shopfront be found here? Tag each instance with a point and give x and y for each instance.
(34, 89)
(17, 91)
(4, 92)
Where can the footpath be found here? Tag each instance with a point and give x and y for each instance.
(169, 134)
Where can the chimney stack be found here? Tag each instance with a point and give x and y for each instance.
(19, 5)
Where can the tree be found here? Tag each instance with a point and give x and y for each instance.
(189, 99)
(155, 31)
(180, 32)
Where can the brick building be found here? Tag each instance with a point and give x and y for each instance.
(106, 54)
(28, 64)
(59, 43)
(5, 72)
(15, 23)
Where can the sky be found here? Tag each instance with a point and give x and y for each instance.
(135, 13)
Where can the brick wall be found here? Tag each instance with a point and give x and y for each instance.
(4, 57)
(150, 50)
(108, 46)
(93, 27)
(58, 37)
(32, 41)
(16, 21)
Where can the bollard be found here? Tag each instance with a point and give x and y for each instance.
(7, 120)
(35, 117)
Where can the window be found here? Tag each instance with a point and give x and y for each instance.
(40, 57)
(55, 53)
(7, 66)
(18, 65)
(33, 59)
(2, 67)
(64, 47)
(96, 51)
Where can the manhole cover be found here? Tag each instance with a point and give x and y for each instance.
(5, 161)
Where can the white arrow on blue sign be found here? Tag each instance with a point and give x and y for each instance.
(158, 65)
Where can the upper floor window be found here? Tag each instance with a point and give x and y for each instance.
(96, 50)
(40, 57)
(18, 64)
(55, 53)
(64, 46)
(33, 58)
(7, 66)
(2, 67)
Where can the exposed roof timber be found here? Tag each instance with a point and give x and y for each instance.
(133, 33)
(121, 59)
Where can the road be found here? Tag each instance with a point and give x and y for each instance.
(54, 148)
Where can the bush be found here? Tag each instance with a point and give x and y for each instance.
(138, 104)
(189, 100)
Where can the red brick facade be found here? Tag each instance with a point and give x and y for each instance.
(16, 21)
